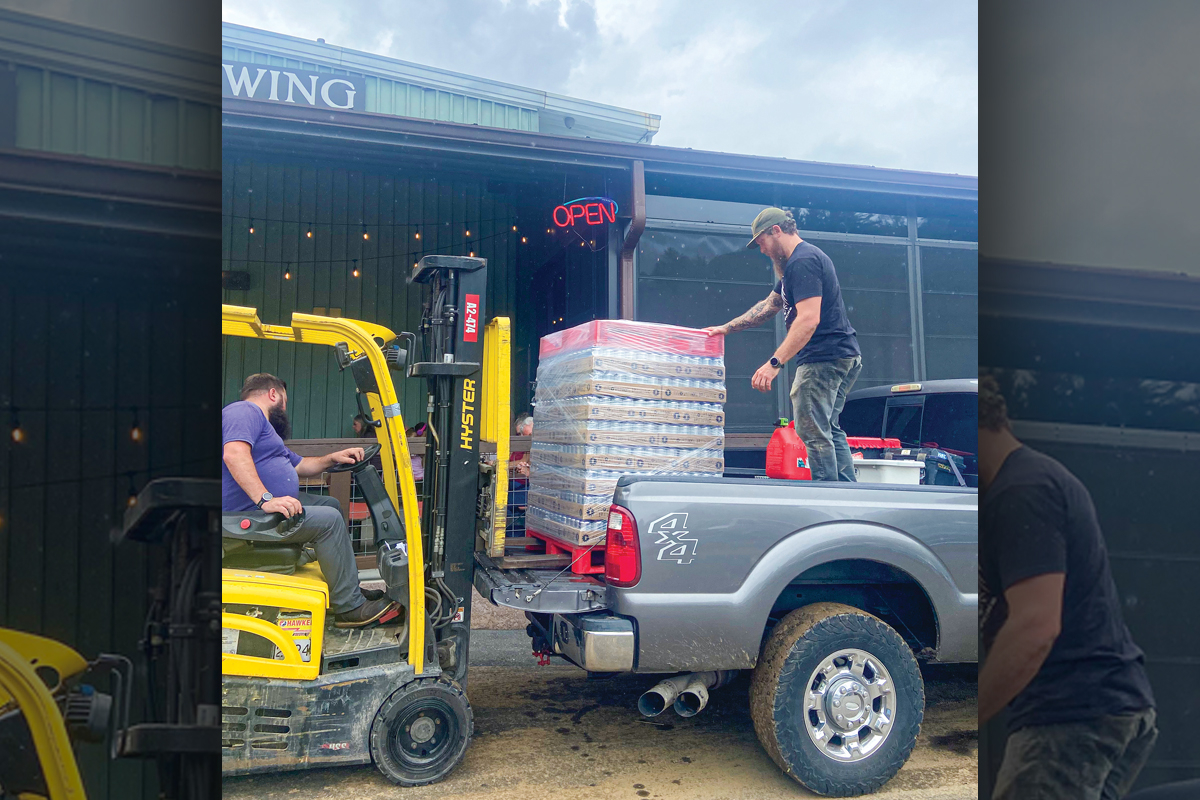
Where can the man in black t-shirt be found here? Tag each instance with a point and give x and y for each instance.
(819, 335)
(1081, 716)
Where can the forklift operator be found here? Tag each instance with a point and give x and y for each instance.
(260, 471)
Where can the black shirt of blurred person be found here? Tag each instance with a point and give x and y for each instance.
(1037, 518)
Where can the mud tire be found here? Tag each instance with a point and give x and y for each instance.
(795, 648)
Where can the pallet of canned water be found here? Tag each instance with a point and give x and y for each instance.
(627, 459)
(662, 412)
(630, 335)
(554, 388)
(652, 364)
(593, 482)
(559, 526)
(630, 434)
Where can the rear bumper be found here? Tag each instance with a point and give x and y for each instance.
(595, 642)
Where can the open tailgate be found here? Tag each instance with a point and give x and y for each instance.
(545, 591)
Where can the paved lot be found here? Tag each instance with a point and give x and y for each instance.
(551, 732)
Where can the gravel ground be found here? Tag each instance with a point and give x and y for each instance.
(552, 732)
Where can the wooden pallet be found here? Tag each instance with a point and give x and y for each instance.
(584, 560)
(534, 561)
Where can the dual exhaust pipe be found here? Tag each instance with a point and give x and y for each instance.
(688, 694)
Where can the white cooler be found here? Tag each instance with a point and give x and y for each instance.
(882, 470)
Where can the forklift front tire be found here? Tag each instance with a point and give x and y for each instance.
(421, 731)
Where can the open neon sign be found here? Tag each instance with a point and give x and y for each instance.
(588, 210)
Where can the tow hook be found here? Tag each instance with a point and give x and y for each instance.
(543, 657)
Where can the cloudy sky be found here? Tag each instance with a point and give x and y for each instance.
(880, 83)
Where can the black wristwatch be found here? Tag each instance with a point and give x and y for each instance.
(266, 498)
(776, 363)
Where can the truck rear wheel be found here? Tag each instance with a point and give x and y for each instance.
(421, 731)
(837, 699)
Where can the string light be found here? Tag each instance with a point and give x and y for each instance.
(308, 234)
(17, 433)
(135, 430)
(287, 273)
(524, 240)
(133, 499)
(365, 236)
(252, 225)
(354, 272)
(514, 227)
(418, 235)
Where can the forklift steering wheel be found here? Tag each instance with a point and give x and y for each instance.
(369, 452)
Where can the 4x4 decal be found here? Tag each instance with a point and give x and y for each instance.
(672, 534)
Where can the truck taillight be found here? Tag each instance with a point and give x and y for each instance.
(622, 554)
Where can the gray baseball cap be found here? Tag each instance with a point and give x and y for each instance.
(766, 219)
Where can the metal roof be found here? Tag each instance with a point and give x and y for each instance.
(244, 121)
(388, 77)
(81, 92)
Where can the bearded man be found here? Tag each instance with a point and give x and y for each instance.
(260, 471)
(819, 336)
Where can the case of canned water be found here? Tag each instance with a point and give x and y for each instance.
(617, 397)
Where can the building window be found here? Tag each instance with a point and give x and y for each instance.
(950, 305)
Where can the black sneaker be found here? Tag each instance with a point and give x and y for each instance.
(366, 614)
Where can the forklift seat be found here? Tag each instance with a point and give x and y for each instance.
(254, 540)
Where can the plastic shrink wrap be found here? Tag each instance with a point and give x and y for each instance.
(616, 397)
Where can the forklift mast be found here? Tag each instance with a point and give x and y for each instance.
(453, 338)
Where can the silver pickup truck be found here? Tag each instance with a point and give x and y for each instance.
(831, 593)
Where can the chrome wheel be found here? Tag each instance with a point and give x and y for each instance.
(850, 705)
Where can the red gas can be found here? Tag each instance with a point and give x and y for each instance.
(787, 457)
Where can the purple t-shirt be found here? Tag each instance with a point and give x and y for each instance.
(276, 464)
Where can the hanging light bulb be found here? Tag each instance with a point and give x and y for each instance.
(135, 430)
(308, 234)
(549, 231)
(17, 433)
(132, 499)
(472, 254)
(287, 273)
(365, 236)
(468, 233)
(524, 239)
(514, 227)
(418, 234)
(251, 225)
(354, 272)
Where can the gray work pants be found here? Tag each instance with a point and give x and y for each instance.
(1094, 760)
(818, 394)
(325, 530)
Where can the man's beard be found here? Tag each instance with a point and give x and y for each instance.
(780, 263)
(280, 422)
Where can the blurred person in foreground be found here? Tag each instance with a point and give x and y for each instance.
(1058, 656)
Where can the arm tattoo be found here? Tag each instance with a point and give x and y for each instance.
(762, 311)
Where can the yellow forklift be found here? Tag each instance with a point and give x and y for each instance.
(299, 693)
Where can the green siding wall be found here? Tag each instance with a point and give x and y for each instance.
(285, 201)
(81, 355)
(76, 115)
(386, 96)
